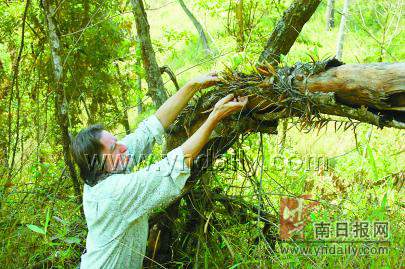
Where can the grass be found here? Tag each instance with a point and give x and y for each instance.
(358, 186)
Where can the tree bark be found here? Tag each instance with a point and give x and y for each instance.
(139, 105)
(371, 93)
(287, 30)
(124, 100)
(339, 46)
(330, 15)
(138, 48)
(197, 26)
(156, 88)
(239, 18)
(61, 104)
(380, 86)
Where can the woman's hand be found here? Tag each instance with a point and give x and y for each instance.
(204, 81)
(227, 106)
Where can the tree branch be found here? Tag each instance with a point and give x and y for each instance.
(287, 30)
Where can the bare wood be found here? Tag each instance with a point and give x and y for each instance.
(339, 46)
(370, 93)
(330, 15)
(378, 85)
(197, 26)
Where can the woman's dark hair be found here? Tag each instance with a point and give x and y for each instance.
(86, 149)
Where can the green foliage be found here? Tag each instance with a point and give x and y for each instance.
(36, 229)
(40, 221)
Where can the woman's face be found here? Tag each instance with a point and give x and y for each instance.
(114, 153)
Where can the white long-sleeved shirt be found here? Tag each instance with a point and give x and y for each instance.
(117, 208)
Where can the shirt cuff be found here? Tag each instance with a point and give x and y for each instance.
(155, 127)
(179, 168)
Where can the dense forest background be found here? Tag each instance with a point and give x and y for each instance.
(103, 80)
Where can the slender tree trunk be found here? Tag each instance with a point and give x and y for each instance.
(282, 137)
(123, 116)
(287, 30)
(61, 103)
(86, 109)
(14, 82)
(330, 15)
(156, 88)
(138, 48)
(240, 37)
(197, 25)
(339, 46)
(86, 8)
(125, 105)
(124, 100)
(3, 128)
(139, 105)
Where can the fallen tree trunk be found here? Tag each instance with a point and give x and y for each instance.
(380, 86)
(371, 93)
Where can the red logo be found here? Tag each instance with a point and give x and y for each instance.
(294, 215)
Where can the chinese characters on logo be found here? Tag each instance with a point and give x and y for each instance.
(294, 213)
(356, 230)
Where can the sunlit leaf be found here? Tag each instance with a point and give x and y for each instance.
(36, 229)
